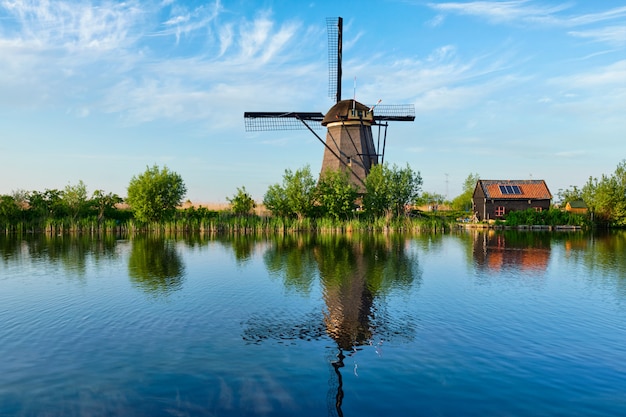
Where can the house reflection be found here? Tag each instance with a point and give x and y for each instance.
(500, 250)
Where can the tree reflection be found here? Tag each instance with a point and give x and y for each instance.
(291, 258)
(72, 252)
(602, 255)
(154, 264)
(355, 273)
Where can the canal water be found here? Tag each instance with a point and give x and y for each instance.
(478, 323)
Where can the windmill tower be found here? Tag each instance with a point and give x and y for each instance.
(349, 143)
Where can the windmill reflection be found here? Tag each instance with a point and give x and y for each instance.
(354, 273)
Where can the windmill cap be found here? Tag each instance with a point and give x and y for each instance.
(343, 111)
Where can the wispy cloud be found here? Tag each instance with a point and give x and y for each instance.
(528, 12)
(615, 35)
(501, 11)
(73, 26)
(183, 20)
(611, 76)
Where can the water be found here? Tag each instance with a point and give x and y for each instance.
(467, 324)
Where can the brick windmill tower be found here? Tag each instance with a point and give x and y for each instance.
(349, 143)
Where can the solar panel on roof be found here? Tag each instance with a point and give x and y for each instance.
(510, 189)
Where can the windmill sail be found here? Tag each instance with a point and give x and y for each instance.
(335, 41)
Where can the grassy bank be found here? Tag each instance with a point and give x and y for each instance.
(224, 222)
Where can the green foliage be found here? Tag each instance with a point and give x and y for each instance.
(74, 197)
(552, 217)
(47, 205)
(388, 191)
(295, 197)
(9, 211)
(275, 200)
(155, 194)
(568, 195)
(430, 199)
(336, 194)
(463, 201)
(241, 203)
(606, 197)
(104, 204)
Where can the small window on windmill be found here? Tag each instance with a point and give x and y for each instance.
(349, 161)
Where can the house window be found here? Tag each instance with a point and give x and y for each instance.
(538, 209)
(500, 211)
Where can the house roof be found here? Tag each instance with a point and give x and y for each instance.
(577, 204)
(523, 189)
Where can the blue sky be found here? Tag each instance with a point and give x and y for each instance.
(97, 91)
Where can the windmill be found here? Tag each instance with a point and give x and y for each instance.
(349, 143)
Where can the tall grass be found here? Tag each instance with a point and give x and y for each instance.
(224, 222)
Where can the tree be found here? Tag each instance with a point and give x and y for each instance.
(606, 197)
(241, 203)
(388, 191)
(464, 200)
(432, 200)
(9, 210)
(75, 199)
(295, 197)
(336, 194)
(47, 205)
(275, 200)
(568, 195)
(154, 195)
(405, 186)
(103, 203)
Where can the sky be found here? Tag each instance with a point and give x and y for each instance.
(97, 91)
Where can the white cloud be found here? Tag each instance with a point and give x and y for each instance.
(500, 11)
(526, 11)
(615, 35)
(436, 21)
(72, 26)
(612, 76)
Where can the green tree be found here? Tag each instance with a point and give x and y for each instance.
(103, 203)
(154, 195)
(406, 185)
(295, 197)
(241, 203)
(336, 194)
(275, 200)
(377, 198)
(606, 197)
(464, 200)
(568, 195)
(9, 210)
(430, 199)
(388, 191)
(74, 198)
(47, 205)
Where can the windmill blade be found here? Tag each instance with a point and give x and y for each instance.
(335, 35)
(267, 121)
(394, 112)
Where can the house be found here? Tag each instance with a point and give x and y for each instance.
(492, 199)
(576, 206)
